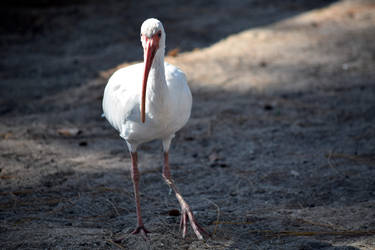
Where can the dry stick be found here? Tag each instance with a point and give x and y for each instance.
(217, 222)
(14, 197)
(249, 222)
(31, 203)
(359, 159)
(318, 224)
(311, 233)
(54, 211)
(114, 207)
(70, 201)
(329, 156)
(209, 128)
(233, 222)
(306, 233)
(115, 244)
(115, 190)
(25, 220)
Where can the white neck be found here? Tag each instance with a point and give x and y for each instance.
(157, 92)
(157, 71)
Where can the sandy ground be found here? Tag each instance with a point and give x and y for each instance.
(278, 153)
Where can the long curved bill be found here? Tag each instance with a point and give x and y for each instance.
(149, 54)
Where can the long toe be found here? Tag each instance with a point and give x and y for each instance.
(188, 215)
(196, 228)
(183, 223)
(142, 230)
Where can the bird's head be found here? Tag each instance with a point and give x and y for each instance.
(153, 41)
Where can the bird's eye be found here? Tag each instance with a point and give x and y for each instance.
(159, 34)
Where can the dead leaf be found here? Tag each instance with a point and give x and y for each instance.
(69, 131)
(6, 135)
(174, 212)
(294, 173)
(173, 52)
(6, 177)
(213, 157)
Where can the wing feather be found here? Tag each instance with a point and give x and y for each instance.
(121, 95)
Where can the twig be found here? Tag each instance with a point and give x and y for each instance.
(209, 128)
(217, 222)
(329, 156)
(356, 158)
(317, 224)
(233, 222)
(114, 207)
(312, 233)
(115, 244)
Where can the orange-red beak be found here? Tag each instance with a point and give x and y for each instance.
(152, 44)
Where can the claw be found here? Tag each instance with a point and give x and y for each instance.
(186, 214)
(183, 224)
(139, 229)
(142, 230)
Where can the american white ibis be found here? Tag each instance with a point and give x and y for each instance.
(147, 101)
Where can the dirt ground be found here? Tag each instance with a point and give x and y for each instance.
(279, 152)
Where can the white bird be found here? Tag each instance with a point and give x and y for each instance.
(147, 101)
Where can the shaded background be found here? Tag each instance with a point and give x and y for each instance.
(55, 45)
(278, 153)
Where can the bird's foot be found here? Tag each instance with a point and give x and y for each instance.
(142, 230)
(137, 230)
(187, 214)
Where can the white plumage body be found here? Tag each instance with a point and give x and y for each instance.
(168, 103)
(147, 101)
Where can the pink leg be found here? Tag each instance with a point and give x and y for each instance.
(186, 213)
(135, 176)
